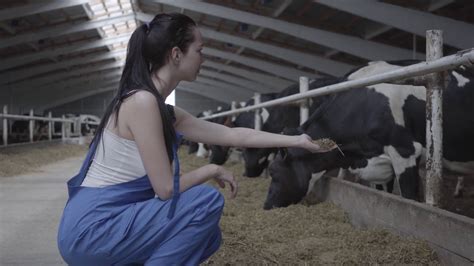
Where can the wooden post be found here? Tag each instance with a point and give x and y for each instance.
(258, 118)
(304, 109)
(50, 127)
(32, 125)
(5, 126)
(434, 120)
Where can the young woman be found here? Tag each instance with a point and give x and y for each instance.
(127, 205)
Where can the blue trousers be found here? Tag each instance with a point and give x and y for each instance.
(124, 224)
(141, 233)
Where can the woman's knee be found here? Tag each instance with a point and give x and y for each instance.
(212, 197)
(208, 194)
(209, 201)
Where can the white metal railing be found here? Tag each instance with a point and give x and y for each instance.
(66, 125)
(434, 64)
(465, 57)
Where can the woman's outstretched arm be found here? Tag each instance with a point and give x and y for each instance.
(199, 130)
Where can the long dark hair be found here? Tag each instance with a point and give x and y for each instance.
(148, 50)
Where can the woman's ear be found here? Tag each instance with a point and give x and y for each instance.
(176, 54)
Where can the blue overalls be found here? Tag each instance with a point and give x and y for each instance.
(125, 224)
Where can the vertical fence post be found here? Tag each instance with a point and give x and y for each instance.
(32, 125)
(258, 119)
(50, 126)
(434, 120)
(233, 106)
(63, 128)
(5, 126)
(414, 47)
(304, 110)
(68, 129)
(79, 126)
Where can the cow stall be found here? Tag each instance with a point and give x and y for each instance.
(24, 129)
(450, 234)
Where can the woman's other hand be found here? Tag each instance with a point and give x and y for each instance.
(224, 176)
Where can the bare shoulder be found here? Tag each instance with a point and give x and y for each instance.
(142, 105)
(141, 99)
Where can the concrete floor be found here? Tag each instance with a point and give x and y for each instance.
(30, 209)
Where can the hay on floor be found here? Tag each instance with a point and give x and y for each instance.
(23, 159)
(304, 235)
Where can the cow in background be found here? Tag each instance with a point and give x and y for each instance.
(20, 130)
(200, 149)
(220, 154)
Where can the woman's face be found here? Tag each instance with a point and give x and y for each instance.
(191, 61)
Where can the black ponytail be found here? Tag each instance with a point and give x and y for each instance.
(148, 50)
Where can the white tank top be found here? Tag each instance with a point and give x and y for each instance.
(121, 163)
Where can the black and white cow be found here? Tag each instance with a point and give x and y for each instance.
(202, 149)
(277, 118)
(219, 154)
(379, 128)
(192, 147)
(89, 124)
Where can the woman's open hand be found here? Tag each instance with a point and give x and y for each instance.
(304, 141)
(224, 176)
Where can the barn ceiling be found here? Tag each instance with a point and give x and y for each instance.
(58, 52)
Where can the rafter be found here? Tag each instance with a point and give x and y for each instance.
(66, 28)
(12, 62)
(272, 68)
(36, 8)
(256, 87)
(13, 76)
(275, 83)
(348, 44)
(455, 33)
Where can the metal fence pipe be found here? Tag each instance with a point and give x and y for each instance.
(304, 108)
(50, 126)
(233, 106)
(434, 120)
(39, 118)
(258, 118)
(63, 129)
(462, 57)
(5, 126)
(32, 125)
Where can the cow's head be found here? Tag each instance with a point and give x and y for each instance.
(291, 172)
(219, 154)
